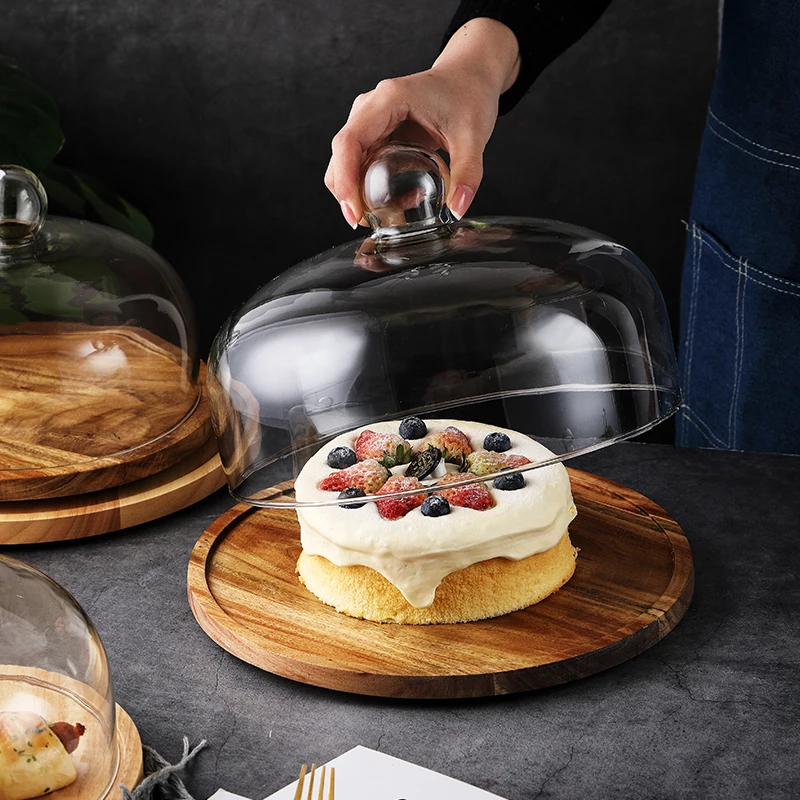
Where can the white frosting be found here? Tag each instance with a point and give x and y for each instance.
(416, 552)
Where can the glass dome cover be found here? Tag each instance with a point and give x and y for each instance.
(57, 710)
(97, 339)
(538, 326)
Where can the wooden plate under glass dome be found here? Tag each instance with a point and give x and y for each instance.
(632, 585)
(69, 464)
(62, 434)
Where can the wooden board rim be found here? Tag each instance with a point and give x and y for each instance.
(65, 518)
(640, 632)
(131, 757)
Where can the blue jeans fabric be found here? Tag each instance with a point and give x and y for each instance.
(739, 348)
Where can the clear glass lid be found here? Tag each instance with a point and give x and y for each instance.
(537, 326)
(97, 338)
(57, 711)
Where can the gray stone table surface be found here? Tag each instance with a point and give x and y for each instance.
(709, 712)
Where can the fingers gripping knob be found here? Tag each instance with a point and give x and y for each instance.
(403, 189)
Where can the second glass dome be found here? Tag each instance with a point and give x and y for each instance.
(529, 324)
(97, 348)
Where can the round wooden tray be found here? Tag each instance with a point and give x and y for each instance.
(633, 583)
(61, 518)
(129, 744)
(67, 428)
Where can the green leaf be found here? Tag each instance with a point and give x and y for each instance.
(31, 137)
(54, 295)
(78, 194)
(388, 461)
(30, 134)
(9, 315)
(62, 198)
(67, 292)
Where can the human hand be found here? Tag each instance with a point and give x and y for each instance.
(451, 106)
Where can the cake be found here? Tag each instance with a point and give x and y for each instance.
(458, 554)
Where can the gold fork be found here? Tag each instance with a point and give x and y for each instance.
(298, 795)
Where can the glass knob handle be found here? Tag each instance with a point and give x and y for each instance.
(403, 190)
(23, 205)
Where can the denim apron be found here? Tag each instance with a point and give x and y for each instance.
(739, 348)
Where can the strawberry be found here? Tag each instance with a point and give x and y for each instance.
(484, 462)
(451, 442)
(388, 448)
(368, 475)
(475, 496)
(397, 507)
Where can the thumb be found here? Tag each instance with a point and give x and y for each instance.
(466, 172)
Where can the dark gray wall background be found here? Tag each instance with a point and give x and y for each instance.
(215, 118)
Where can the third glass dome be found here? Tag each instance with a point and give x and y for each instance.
(534, 325)
(58, 723)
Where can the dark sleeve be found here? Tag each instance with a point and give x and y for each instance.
(544, 30)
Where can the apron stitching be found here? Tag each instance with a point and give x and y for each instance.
(693, 305)
(747, 152)
(700, 431)
(775, 288)
(721, 256)
(737, 360)
(769, 275)
(696, 243)
(750, 141)
(741, 350)
(702, 426)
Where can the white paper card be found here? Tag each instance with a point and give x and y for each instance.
(364, 774)
(221, 794)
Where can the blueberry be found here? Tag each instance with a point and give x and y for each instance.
(435, 505)
(352, 491)
(413, 428)
(508, 483)
(341, 458)
(497, 442)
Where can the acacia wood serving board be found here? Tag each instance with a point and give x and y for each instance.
(77, 403)
(62, 518)
(632, 584)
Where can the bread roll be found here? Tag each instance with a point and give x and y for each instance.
(33, 759)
